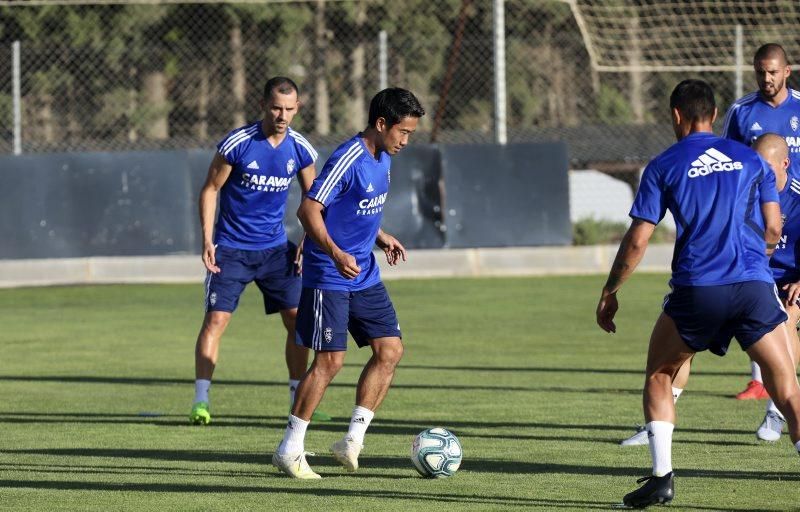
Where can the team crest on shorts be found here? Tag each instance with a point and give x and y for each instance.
(212, 299)
(794, 122)
(290, 165)
(328, 334)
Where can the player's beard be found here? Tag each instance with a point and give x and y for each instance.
(775, 90)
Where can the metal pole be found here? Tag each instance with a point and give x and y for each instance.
(739, 62)
(500, 136)
(383, 60)
(17, 97)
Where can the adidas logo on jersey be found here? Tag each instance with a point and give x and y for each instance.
(370, 188)
(253, 165)
(713, 161)
(756, 127)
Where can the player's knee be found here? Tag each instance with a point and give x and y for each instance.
(216, 322)
(390, 353)
(327, 364)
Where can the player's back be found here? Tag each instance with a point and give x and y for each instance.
(784, 261)
(714, 188)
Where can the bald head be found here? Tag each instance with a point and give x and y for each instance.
(771, 144)
(775, 151)
(771, 51)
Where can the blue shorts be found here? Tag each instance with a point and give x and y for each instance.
(708, 317)
(325, 316)
(272, 269)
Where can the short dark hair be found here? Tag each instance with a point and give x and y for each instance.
(770, 51)
(694, 99)
(282, 84)
(393, 105)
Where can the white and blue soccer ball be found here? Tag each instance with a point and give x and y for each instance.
(436, 453)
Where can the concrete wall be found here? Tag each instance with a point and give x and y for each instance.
(528, 261)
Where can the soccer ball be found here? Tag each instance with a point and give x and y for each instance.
(436, 453)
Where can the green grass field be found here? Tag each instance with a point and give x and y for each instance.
(96, 384)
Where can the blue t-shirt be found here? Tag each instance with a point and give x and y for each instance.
(252, 202)
(783, 261)
(750, 117)
(352, 187)
(714, 188)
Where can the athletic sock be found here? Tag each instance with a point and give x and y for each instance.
(771, 407)
(676, 393)
(755, 372)
(359, 423)
(292, 390)
(797, 446)
(660, 433)
(201, 387)
(294, 437)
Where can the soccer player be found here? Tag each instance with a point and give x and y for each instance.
(775, 151)
(251, 173)
(342, 288)
(774, 108)
(723, 198)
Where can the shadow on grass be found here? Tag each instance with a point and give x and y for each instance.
(399, 463)
(384, 426)
(317, 488)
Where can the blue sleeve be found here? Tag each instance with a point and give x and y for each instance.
(234, 144)
(335, 177)
(767, 189)
(650, 201)
(306, 157)
(730, 128)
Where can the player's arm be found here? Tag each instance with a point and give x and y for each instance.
(218, 173)
(630, 253)
(310, 215)
(773, 225)
(305, 177)
(390, 246)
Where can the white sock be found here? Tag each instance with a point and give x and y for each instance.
(771, 407)
(292, 389)
(755, 372)
(359, 423)
(797, 446)
(676, 393)
(201, 387)
(660, 433)
(294, 438)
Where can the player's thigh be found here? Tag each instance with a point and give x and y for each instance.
(699, 315)
(372, 316)
(772, 355)
(322, 320)
(278, 280)
(224, 288)
(758, 310)
(667, 352)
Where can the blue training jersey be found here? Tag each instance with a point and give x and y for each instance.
(714, 188)
(252, 202)
(783, 261)
(750, 117)
(352, 187)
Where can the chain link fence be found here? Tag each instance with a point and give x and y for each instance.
(107, 76)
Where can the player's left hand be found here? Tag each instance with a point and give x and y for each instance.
(606, 309)
(392, 248)
(792, 292)
(298, 257)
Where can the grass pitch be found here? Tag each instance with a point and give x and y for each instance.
(96, 385)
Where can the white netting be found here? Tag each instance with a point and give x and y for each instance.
(658, 35)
